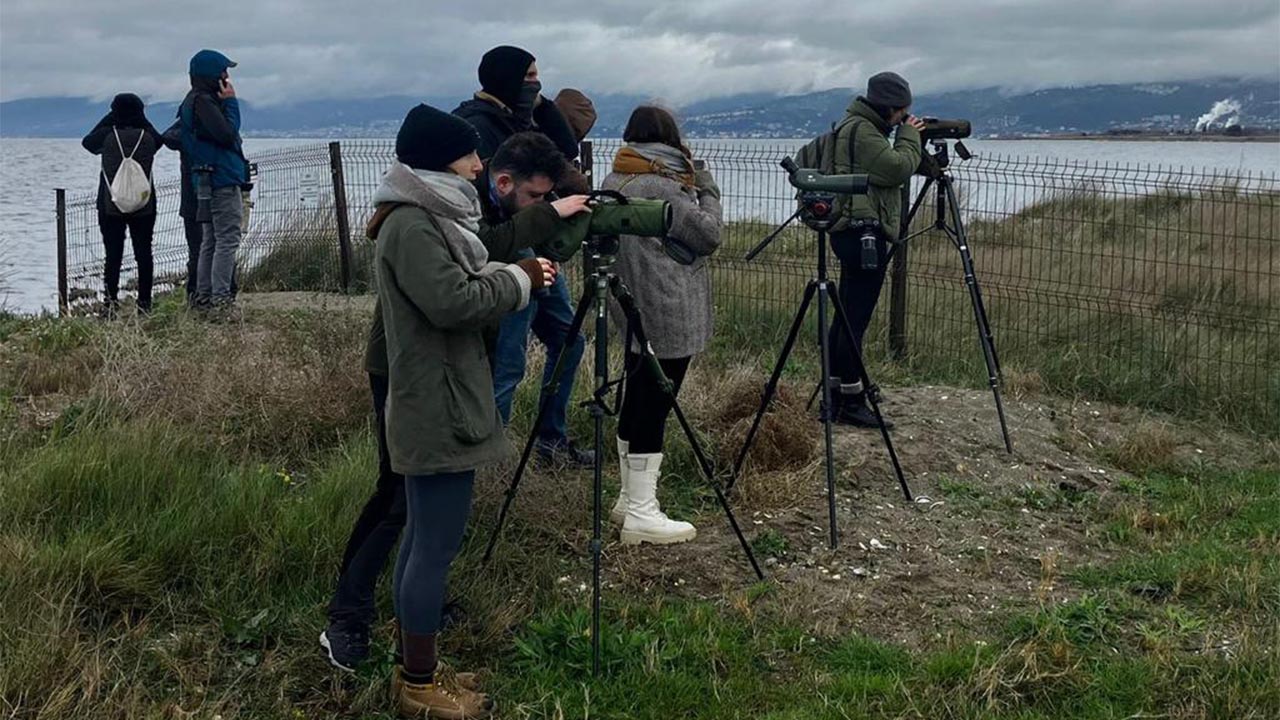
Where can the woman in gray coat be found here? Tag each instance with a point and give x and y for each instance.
(675, 307)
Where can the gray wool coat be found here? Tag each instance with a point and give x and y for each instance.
(674, 299)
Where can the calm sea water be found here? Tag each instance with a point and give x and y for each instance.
(31, 169)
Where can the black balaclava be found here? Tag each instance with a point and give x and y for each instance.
(502, 72)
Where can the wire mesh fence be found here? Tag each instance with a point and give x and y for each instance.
(1142, 284)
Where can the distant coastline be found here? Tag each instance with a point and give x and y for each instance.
(1271, 136)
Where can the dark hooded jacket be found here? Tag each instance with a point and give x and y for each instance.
(211, 130)
(502, 73)
(127, 120)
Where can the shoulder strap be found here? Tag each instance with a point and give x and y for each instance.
(116, 131)
(141, 133)
(849, 122)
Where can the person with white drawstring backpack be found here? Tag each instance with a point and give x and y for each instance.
(127, 143)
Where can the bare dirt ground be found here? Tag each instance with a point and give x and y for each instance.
(988, 531)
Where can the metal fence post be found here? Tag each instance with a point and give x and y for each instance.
(61, 199)
(587, 162)
(340, 209)
(898, 291)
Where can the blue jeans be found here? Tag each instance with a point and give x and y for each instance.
(549, 314)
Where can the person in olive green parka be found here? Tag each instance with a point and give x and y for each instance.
(438, 290)
(863, 145)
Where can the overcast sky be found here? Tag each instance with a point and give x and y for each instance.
(676, 50)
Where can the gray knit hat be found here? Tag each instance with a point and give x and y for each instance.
(889, 89)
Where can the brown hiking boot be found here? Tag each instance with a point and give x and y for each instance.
(464, 680)
(435, 701)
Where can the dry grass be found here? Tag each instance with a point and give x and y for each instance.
(283, 385)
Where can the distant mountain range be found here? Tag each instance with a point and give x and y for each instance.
(994, 112)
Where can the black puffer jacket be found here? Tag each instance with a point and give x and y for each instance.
(128, 120)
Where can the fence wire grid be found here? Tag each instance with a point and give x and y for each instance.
(1145, 284)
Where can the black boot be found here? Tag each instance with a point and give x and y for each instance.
(853, 410)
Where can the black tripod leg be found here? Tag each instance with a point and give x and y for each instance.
(597, 470)
(771, 387)
(904, 233)
(549, 391)
(824, 348)
(628, 305)
(870, 389)
(985, 337)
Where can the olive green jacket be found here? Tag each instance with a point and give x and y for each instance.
(888, 166)
(504, 238)
(441, 415)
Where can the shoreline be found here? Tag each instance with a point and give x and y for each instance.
(1142, 138)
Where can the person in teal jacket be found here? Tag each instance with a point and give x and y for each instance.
(210, 118)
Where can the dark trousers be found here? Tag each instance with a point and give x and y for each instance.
(858, 294)
(195, 236)
(375, 532)
(439, 506)
(140, 229)
(645, 406)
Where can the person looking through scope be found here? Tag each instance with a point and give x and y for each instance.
(863, 146)
(674, 301)
(438, 291)
(513, 218)
(510, 101)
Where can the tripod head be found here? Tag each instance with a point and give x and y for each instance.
(934, 162)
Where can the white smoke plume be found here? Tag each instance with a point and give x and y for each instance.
(1224, 112)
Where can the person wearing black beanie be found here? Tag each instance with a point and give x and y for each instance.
(879, 137)
(433, 402)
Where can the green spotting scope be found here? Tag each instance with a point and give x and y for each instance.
(612, 214)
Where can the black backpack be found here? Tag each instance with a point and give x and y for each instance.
(820, 154)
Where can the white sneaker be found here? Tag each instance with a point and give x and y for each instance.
(645, 522)
(619, 510)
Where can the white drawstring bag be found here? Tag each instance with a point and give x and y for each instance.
(131, 188)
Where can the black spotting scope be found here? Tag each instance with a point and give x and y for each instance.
(810, 180)
(935, 129)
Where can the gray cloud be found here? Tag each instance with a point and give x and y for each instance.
(677, 50)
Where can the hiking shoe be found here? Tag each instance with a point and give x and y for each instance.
(444, 674)
(434, 700)
(346, 642)
(566, 453)
(859, 415)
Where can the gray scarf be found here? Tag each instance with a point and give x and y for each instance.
(674, 159)
(451, 200)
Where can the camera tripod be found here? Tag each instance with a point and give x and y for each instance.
(601, 283)
(816, 211)
(948, 208)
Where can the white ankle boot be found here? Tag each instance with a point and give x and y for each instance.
(645, 522)
(619, 510)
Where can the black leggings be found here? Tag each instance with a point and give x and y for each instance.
(645, 406)
(376, 531)
(438, 509)
(140, 229)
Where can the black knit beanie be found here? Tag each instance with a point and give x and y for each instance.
(889, 89)
(430, 139)
(502, 72)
